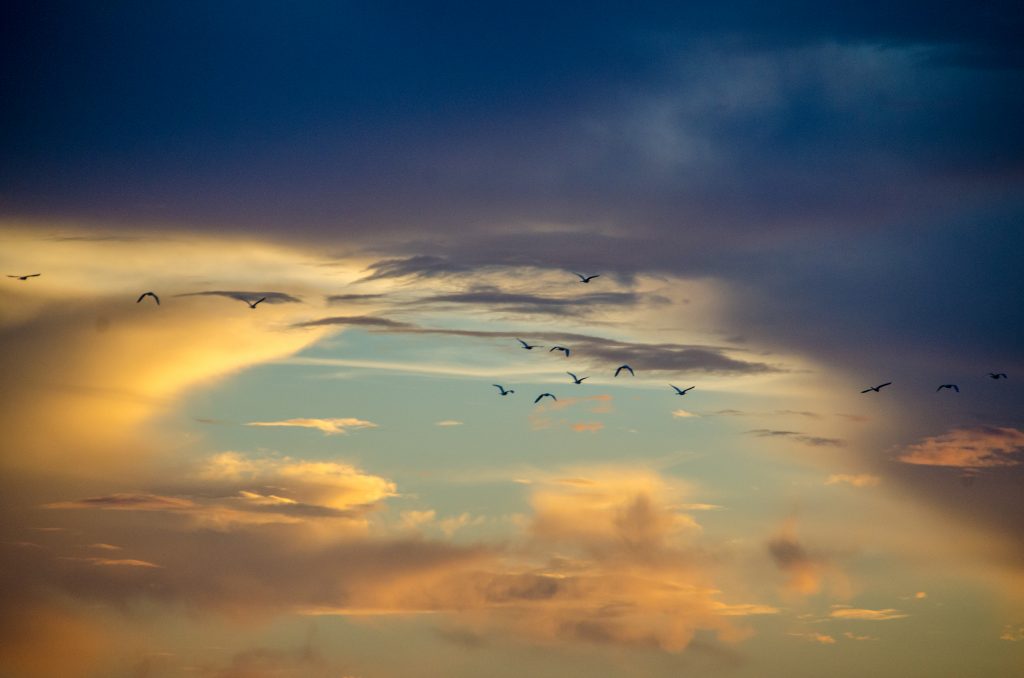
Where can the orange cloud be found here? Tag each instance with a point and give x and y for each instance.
(846, 612)
(980, 447)
(859, 480)
(328, 426)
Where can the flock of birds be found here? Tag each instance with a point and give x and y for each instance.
(565, 350)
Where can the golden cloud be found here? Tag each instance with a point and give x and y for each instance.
(328, 426)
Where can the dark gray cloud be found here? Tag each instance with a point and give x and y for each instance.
(271, 297)
(814, 441)
(358, 321)
(492, 297)
(660, 357)
(347, 298)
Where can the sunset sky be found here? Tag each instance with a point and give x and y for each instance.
(786, 204)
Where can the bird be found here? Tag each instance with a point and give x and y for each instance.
(575, 379)
(876, 389)
(682, 391)
(952, 386)
(563, 349)
(586, 278)
(528, 347)
(542, 395)
(502, 389)
(148, 294)
(998, 375)
(624, 367)
(25, 277)
(252, 304)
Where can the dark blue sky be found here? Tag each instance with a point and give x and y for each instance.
(841, 162)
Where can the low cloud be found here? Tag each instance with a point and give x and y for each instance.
(814, 441)
(846, 612)
(448, 422)
(858, 480)
(328, 426)
(241, 295)
(806, 572)
(968, 448)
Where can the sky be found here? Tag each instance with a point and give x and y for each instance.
(784, 205)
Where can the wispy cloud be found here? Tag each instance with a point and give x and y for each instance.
(814, 441)
(114, 562)
(242, 295)
(856, 480)
(683, 414)
(328, 426)
(979, 447)
(863, 614)
(448, 423)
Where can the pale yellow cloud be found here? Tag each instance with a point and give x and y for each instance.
(980, 447)
(1014, 634)
(845, 612)
(328, 426)
(815, 637)
(858, 480)
(683, 414)
(114, 562)
(448, 422)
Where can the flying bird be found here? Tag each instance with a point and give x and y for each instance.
(952, 386)
(544, 395)
(682, 391)
(586, 278)
(575, 379)
(998, 375)
(502, 389)
(876, 389)
(148, 294)
(25, 277)
(624, 367)
(528, 347)
(252, 304)
(563, 349)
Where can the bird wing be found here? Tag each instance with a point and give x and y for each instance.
(689, 389)
(499, 387)
(574, 377)
(582, 277)
(598, 275)
(956, 388)
(867, 389)
(677, 389)
(885, 384)
(141, 297)
(522, 342)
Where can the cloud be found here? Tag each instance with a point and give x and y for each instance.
(854, 636)
(657, 357)
(328, 426)
(683, 414)
(1012, 633)
(357, 321)
(124, 501)
(846, 612)
(858, 480)
(978, 447)
(271, 297)
(114, 562)
(807, 572)
(814, 441)
(815, 637)
(525, 303)
(448, 423)
(587, 427)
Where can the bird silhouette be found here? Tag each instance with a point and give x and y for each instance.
(502, 389)
(624, 367)
(586, 278)
(148, 294)
(952, 386)
(252, 304)
(25, 277)
(997, 375)
(544, 395)
(528, 347)
(575, 379)
(682, 391)
(563, 349)
(876, 389)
